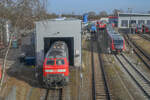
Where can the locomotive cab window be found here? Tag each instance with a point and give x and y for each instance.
(50, 62)
(118, 41)
(60, 62)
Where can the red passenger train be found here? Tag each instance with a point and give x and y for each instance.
(114, 41)
(56, 65)
(146, 29)
(143, 29)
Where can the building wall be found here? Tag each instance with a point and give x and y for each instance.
(59, 28)
(137, 18)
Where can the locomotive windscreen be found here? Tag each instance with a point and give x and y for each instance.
(68, 40)
(118, 41)
(50, 62)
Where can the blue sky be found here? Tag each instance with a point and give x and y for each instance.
(83, 6)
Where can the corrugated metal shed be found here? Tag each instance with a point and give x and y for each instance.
(67, 30)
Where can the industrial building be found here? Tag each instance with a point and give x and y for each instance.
(128, 20)
(67, 30)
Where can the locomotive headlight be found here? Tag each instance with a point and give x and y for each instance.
(48, 70)
(61, 70)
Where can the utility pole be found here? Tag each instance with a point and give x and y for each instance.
(130, 12)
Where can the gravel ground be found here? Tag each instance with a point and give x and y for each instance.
(19, 83)
(142, 43)
(19, 80)
(132, 87)
(86, 86)
(74, 84)
(147, 35)
(139, 64)
(118, 88)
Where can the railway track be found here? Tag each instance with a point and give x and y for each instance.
(144, 37)
(56, 94)
(136, 75)
(145, 58)
(100, 89)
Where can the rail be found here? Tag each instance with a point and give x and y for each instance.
(144, 37)
(108, 96)
(56, 94)
(136, 76)
(93, 74)
(139, 52)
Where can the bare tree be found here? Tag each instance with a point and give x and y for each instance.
(91, 13)
(103, 14)
(28, 10)
(22, 14)
(116, 11)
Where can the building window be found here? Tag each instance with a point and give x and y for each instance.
(148, 22)
(140, 22)
(132, 23)
(124, 23)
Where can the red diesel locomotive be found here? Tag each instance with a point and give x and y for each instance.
(101, 25)
(56, 65)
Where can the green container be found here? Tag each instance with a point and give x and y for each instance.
(14, 44)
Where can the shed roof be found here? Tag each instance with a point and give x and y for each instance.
(133, 14)
(59, 19)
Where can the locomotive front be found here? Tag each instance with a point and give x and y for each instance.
(118, 43)
(56, 65)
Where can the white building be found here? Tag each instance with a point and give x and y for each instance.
(67, 30)
(127, 20)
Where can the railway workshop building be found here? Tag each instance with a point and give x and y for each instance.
(49, 31)
(127, 20)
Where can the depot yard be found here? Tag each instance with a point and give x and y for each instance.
(94, 72)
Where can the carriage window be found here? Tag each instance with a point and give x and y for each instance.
(60, 62)
(50, 62)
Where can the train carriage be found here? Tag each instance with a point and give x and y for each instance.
(146, 29)
(114, 42)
